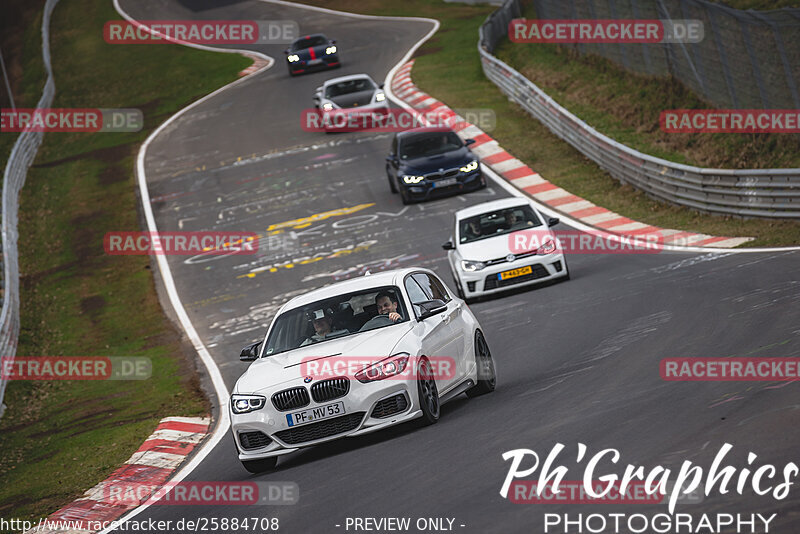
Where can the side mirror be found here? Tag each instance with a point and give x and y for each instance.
(250, 352)
(431, 307)
(552, 221)
(286, 51)
(333, 41)
(449, 246)
(468, 142)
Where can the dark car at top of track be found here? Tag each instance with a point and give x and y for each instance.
(312, 52)
(424, 163)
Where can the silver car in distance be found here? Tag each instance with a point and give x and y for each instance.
(355, 357)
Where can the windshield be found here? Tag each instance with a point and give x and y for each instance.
(496, 223)
(429, 144)
(350, 86)
(334, 318)
(314, 40)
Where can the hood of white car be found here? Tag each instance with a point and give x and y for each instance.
(493, 248)
(266, 373)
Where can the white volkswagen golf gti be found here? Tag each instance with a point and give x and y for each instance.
(355, 357)
(485, 255)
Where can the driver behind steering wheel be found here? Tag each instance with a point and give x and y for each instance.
(386, 301)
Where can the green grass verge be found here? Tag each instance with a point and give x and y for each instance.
(57, 439)
(448, 67)
(626, 107)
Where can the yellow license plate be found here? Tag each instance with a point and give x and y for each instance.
(522, 271)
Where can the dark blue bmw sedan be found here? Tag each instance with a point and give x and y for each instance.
(429, 162)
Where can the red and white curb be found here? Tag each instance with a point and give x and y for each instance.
(530, 182)
(258, 64)
(150, 466)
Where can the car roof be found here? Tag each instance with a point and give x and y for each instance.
(380, 279)
(347, 79)
(303, 38)
(491, 206)
(423, 129)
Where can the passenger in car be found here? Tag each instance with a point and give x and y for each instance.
(472, 230)
(322, 322)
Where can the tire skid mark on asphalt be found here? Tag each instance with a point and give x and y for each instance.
(758, 387)
(792, 407)
(560, 378)
(786, 292)
(635, 332)
(300, 149)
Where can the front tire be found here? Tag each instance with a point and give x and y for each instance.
(487, 378)
(392, 186)
(404, 197)
(459, 291)
(428, 393)
(263, 465)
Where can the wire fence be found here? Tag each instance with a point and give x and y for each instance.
(21, 158)
(747, 59)
(773, 193)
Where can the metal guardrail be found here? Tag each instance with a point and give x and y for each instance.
(21, 158)
(773, 193)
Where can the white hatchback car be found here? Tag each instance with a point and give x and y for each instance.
(482, 253)
(355, 357)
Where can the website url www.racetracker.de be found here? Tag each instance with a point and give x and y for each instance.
(200, 524)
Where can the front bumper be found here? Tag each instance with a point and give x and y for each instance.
(362, 118)
(428, 189)
(326, 62)
(487, 282)
(369, 400)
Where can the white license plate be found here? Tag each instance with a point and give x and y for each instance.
(315, 414)
(447, 182)
(314, 61)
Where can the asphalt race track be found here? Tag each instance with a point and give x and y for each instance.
(578, 361)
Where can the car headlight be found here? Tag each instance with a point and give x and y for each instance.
(548, 247)
(327, 106)
(247, 403)
(412, 179)
(292, 58)
(380, 97)
(472, 265)
(391, 366)
(330, 50)
(469, 167)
